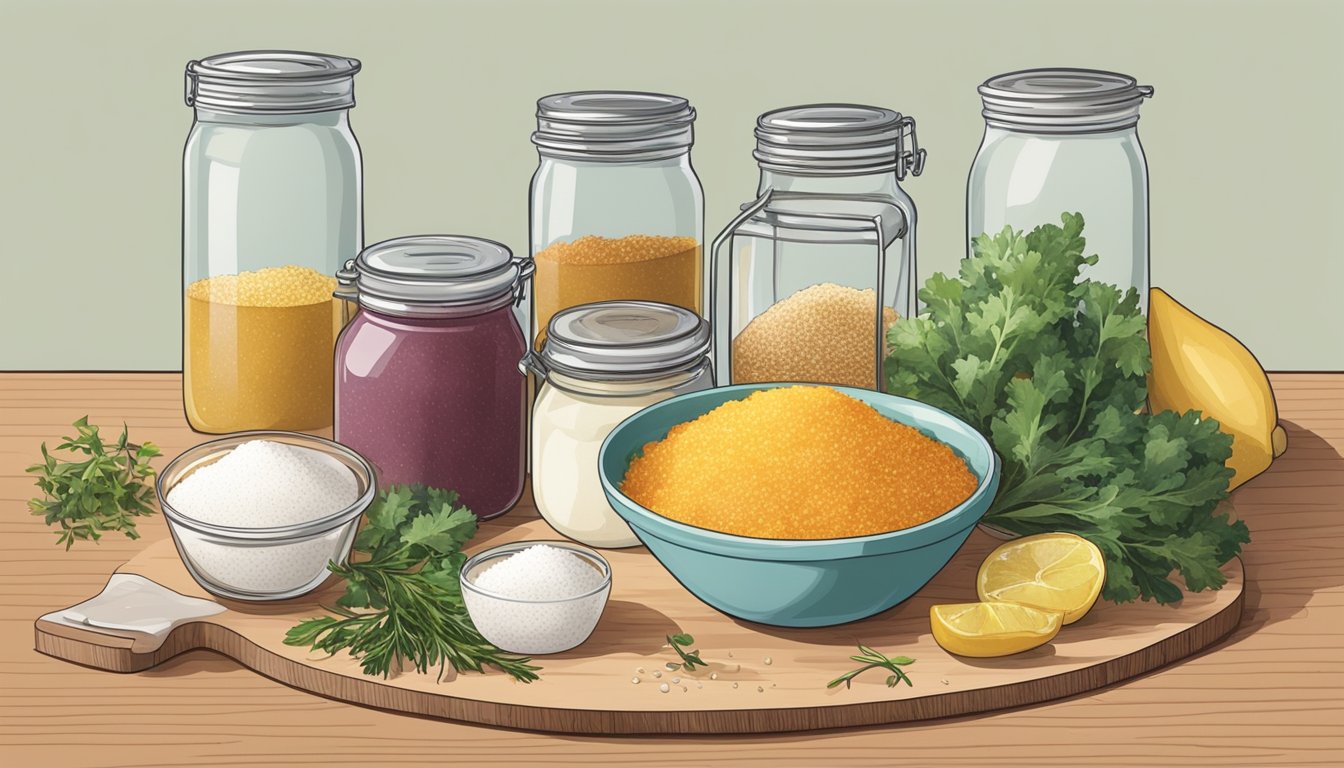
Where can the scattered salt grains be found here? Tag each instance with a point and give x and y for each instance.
(664, 688)
(734, 685)
(713, 675)
(656, 673)
(768, 661)
(676, 680)
(683, 689)
(760, 689)
(265, 484)
(640, 670)
(699, 685)
(540, 572)
(634, 681)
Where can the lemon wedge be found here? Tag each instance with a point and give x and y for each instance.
(991, 629)
(1057, 572)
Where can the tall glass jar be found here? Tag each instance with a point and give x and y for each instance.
(271, 208)
(1066, 140)
(602, 363)
(617, 211)
(427, 381)
(822, 262)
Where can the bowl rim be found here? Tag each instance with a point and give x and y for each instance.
(929, 532)
(282, 534)
(512, 548)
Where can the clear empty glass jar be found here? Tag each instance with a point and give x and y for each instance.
(270, 210)
(1066, 140)
(809, 277)
(617, 211)
(427, 381)
(601, 364)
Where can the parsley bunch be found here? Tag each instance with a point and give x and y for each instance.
(402, 601)
(1054, 370)
(105, 492)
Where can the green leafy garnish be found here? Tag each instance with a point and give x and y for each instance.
(402, 601)
(874, 660)
(104, 493)
(1053, 370)
(689, 659)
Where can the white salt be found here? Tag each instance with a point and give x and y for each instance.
(540, 572)
(264, 484)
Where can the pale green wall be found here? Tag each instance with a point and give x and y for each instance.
(1242, 138)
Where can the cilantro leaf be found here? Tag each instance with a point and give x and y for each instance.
(1053, 369)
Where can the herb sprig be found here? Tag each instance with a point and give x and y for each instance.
(403, 602)
(872, 659)
(104, 493)
(1053, 369)
(690, 659)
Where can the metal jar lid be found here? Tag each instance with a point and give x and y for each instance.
(837, 140)
(275, 82)
(623, 340)
(613, 125)
(434, 276)
(1062, 100)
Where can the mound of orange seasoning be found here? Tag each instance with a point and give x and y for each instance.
(798, 463)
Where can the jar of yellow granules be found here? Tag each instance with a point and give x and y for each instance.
(617, 211)
(271, 209)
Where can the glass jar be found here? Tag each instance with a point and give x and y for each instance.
(427, 381)
(1064, 141)
(617, 211)
(270, 210)
(602, 363)
(821, 263)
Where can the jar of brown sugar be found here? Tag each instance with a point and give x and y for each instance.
(617, 211)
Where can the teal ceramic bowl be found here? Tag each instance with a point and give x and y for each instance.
(790, 583)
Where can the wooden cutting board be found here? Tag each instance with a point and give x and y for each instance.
(760, 679)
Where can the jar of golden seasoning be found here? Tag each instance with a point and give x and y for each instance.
(270, 210)
(617, 211)
(806, 281)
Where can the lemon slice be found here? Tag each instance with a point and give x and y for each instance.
(1057, 572)
(991, 629)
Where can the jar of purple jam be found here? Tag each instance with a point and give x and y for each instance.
(427, 380)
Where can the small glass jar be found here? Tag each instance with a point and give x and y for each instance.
(427, 381)
(270, 210)
(1066, 141)
(602, 363)
(822, 262)
(617, 211)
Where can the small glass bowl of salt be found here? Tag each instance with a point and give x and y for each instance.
(536, 597)
(258, 515)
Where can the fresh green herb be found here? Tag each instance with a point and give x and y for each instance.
(403, 602)
(689, 659)
(871, 659)
(1053, 369)
(104, 493)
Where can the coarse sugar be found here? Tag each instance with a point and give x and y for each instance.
(540, 572)
(265, 484)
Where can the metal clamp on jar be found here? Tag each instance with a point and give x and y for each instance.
(821, 263)
(602, 363)
(427, 381)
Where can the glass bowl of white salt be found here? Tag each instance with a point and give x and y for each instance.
(536, 597)
(258, 515)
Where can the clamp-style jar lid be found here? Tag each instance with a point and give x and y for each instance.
(271, 82)
(837, 140)
(613, 125)
(1062, 100)
(434, 276)
(623, 341)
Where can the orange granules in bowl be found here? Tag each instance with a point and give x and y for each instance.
(798, 463)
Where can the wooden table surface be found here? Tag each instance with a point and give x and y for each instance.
(1272, 694)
